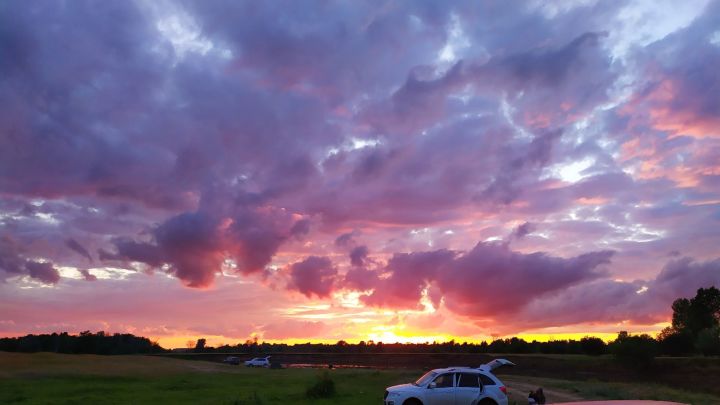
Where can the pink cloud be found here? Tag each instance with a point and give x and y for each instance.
(313, 276)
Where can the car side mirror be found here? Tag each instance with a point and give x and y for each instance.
(432, 385)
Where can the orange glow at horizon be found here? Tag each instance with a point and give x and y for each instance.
(387, 337)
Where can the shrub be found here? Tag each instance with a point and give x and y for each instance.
(253, 399)
(708, 341)
(324, 387)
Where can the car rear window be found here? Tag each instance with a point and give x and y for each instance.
(468, 380)
(486, 380)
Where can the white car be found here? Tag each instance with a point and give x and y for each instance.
(258, 362)
(453, 386)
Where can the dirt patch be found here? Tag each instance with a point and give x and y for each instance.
(518, 391)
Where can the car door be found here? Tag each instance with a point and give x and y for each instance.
(443, 393)
(468, 388)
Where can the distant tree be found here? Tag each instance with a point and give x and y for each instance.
(200, 345)
(592, 345)
(694, 323)
(698, 313)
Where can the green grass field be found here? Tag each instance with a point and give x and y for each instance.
(45, 378)
(83, 379)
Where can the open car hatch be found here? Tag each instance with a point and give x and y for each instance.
(492, 365)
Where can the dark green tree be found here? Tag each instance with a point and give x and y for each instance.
(698, 313)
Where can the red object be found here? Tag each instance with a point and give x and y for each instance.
(503, 389)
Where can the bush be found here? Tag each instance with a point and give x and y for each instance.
(675, 343)
(324, 387)
(708, 341)
(636, 352)
(253, 399)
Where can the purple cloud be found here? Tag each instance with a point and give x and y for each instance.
(42, 271)
(196, 245)
(409, 275)
(13, 264)
(642, 302)
(522, 230)
(313, 276)
(488, 280)
(78, 248)
(358, 256)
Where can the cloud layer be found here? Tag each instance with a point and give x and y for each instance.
(502, 165)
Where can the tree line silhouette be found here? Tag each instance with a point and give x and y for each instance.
(695, 330)
(84, 343)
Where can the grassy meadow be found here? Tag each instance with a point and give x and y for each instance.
(47, 378)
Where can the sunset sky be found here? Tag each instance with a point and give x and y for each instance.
(385, 170)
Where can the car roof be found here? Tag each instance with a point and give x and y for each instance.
(460, 370)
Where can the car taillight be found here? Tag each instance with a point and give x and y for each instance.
(503, 389)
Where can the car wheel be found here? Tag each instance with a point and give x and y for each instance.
(412, 401)
(487, 401)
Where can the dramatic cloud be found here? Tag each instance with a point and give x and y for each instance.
(13, 264)
(491, 280)
(313, 276)
(488, 281)
(196, 246)
(615, 301)
(42, 271)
